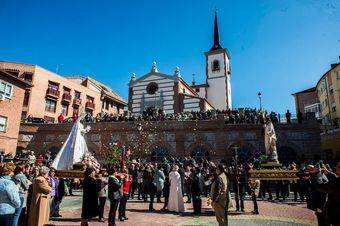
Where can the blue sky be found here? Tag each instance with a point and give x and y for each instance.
(277, 47)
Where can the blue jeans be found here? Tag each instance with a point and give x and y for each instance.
(6, 219)
(54, 207)
(17, 213)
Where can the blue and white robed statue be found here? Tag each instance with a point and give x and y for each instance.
(74, 149)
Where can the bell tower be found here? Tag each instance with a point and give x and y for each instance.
(218, 73)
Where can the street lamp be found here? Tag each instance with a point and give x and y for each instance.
(260, 98)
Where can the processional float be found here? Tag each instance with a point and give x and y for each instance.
(272, 169)
(74, 156)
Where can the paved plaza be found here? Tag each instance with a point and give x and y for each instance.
(271, 214)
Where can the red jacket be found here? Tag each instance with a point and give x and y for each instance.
(126, 185)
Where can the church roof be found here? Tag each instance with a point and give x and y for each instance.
(153, 73)
(198, 97)
(313, 89)
(200, 85)
(108, 91)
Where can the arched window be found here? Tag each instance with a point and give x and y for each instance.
(216, 65)
(158, 154)
(200, 152)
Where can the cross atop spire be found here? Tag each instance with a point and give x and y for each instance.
(216, 35)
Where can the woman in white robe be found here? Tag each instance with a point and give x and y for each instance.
(176, 203)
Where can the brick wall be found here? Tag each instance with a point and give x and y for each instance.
(11, 108)
(179, 138)
(304, 99)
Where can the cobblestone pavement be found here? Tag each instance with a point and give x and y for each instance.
(271, 213)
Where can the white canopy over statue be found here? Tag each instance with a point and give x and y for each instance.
(74, 149)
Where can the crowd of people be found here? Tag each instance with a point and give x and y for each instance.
(31, 193)
(235, 116)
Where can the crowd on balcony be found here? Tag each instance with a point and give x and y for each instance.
(235, 116)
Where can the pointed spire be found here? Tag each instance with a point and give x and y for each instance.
(154, 67)
(216, 35)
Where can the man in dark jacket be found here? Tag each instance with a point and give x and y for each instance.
(166, 189)
(239, 187)
(197, 186)
(315, 199)
(332, 188)
(114, 195)
(182, 174)
(133, 172)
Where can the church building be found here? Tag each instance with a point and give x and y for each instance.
(172, 94)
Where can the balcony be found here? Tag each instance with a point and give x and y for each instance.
(76, 101)
(50, 92)
(67, 97)
(90, 105)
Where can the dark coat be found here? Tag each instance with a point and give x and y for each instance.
(182, 174)
(90, 207)
(114, 188)
(315, 198)
(61, 189)
(332, 206)
(166, 189)
(197, 184)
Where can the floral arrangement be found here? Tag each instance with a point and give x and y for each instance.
(91, 161)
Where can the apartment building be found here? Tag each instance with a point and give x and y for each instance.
(52, 94)
(12, 91)
(328, 91)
